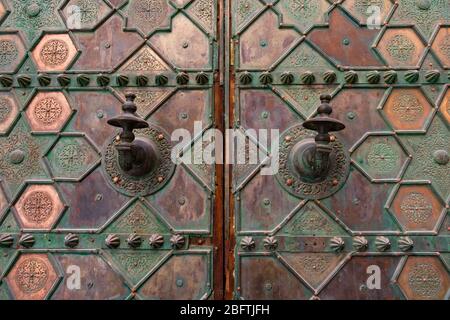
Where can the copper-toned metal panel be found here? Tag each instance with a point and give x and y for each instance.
(8, 110)
(441, 46)
(351, 283)
(172, 281)
(97, 280)
(54, 52)
(12, 52)
(48, 111)
(445, 106)
(32, 277)
(424, 278)
(266, 278)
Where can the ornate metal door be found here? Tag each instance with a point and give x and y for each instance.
(377, 226)
(73, 225)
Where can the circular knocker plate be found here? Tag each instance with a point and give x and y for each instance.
(147, 184)
(291, 180)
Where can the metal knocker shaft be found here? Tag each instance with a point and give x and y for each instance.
(312, 158)
(137, 156)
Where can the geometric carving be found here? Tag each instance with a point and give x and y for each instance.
(380, 157)
(401, 47)
(88, 13)
(71, 157)
(424, 278)
(304, 57)
(147, 100)
(441, 46)
(39, 207)
(445, 106)
(204, 10)
(303, 13)
(147, 15)
(8, 111)
(12, 52)
(362, 11)
(54, 52)
(31, 277)
(407, 109)
(146, 60)
(417, 207)
(243, 11)
(48, 111)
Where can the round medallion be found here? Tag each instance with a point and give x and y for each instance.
(17, 156)
(441, 157)
(32, 275)
(142, 185)
(54, 52)
(423, 4)
(425, 281)
(8, 52)
(38, 207)
(290, 178)
(33, 10)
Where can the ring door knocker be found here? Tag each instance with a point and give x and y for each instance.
(314, 166)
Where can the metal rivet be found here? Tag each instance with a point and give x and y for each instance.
(183, 115)
(107, 45)
(268, 286)
(100, 114)
(98, 197)
(346, 42)
(263, 43)
(289, 182)
(17, 156)
(160, 137)
(33, 10)
(185, 44)
(182, 201)
(160, 179)
(288, 138)
(266, 202)
(351, 115)
(332, 138)
(180, 283)
(117, 138)
(265, 115)
(116, 179)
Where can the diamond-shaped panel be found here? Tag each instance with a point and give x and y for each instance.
(39, 207)
(54, 52)
(48, 111)
(417, 207)
(32, 277)
(401, 47)
(424, 278)
(72, 157)
(407, 109)
(380, 157)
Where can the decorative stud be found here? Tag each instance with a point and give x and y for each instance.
(405, 243)
(351, 77)
(71, 240)
(287, 77)
(202, 78)
(390, 76)
(382, 243)
(373, 77)
(360, 243)
(245, 78)
(182, 78)
(27, 240)
(412, 76)
(103, 80)
(441, 157)
(156, 241)
(83, 80)
(308, 77)
(329, 76)
(122, 80)
(63, 80)
(265, 78)
(270, 243)
(6, 240)
(24, 81)
(141, 81)
(177, 241)
(337, 244)
(247, 243)
(432, 76)
(112, 241)
(6, 81)
(161, 80)
(134, 240)
(44, 80)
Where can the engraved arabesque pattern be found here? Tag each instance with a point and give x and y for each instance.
(8, 52)
(416, 208)
(401, 48)
(408, 108)
(38, 207)
(424, 280)
(54, 53)
(48, 111)
(5, 109)
(32, 275)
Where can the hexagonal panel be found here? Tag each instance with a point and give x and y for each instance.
(32, 277)
(39, 207)
(48, 111)
(12, 52)
(401, 47)
(417, 208)
(54, 52)
(361, 9)
(303, 13)
(407, 109)
(445, 106)
(8, 110)
(441, 46)
(148, 15)
(380, 157)
(84, 14)
(72, 157)
(424, 278)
